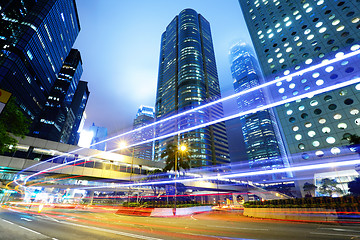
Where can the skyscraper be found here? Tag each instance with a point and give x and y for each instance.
(78, 105)
(57, 118)
(35, 38)
(99, 134)
(144, 116)
(187, 79)
(291, 36)
(264, 147)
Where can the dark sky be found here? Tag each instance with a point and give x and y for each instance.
(120, 45)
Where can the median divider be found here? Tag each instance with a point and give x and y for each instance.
(162, 212)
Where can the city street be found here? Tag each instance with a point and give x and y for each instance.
(85, 224)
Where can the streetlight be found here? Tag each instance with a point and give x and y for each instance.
(181, 148)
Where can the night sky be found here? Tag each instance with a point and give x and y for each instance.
(120, 45)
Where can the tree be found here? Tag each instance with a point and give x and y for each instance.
(13, 123)
(354, 186)
(354, 141)
(329, 186)
(156, 176)
(170, 153)
(309, 187)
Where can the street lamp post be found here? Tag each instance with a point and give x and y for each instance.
(181, 148)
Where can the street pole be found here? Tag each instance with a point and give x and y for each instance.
(175, 168)
(131, 171)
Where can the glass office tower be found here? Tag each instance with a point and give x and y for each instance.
(187, 79)
(78, 105)
(264, 147)
(57, 118)
(144, 116)
(291, 36)
(35, 38)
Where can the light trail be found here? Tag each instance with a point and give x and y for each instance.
(237, 175)
(298, 73)
(271, 105)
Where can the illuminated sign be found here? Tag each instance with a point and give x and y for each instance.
(4, 98)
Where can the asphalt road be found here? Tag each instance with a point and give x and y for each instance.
(85, 224)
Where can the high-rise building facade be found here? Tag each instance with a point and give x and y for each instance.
(188, 79)
(57, 118)
(144, 116)
(99, 135)
(291, 36)
(263, 144)
(35, 38)
(78, 105)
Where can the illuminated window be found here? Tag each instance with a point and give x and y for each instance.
(355, 20)
(289, 112)
(311, 133)
(354, 111)
(329, 69)
(337, 116)
(319, 153)
(301, 146)
(319, 82)
(301, 108)
(298, 137)
(343, 92)
(308, 124)
(326, 130)
(315, 75)
(314, 103)
(322, 120)
(342, 126)
(316, 143)
(340, 28)
(295, 128)
(319, 24)
(322, 30)
(335, 150)
(357, 121)
(335, 22)
(330, 140)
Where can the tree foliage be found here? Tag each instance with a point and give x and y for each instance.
(329, 186)
(13, 123)
(354, 141)
(170, 153)
(154, 176)
(354, 187)
(308, 187)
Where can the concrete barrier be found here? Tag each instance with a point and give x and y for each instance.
(163, 212)
(296, 214)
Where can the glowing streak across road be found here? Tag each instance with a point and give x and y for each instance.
(299, 73)
(330, 88)
(278, 103)
(237, 175)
